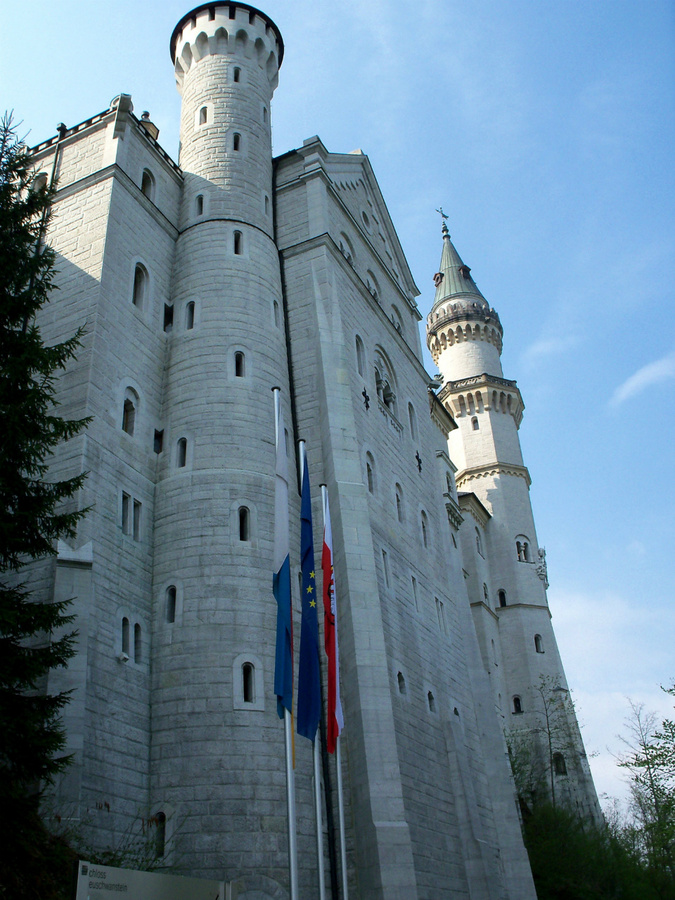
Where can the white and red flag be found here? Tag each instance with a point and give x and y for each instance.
(335, 720)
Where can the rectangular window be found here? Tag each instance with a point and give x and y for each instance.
(159, 441)
(137, 520)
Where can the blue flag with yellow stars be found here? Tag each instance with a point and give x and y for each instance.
(309, 684)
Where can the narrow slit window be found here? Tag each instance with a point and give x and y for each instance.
(237, 74)
(181, 453)
(538, 643)
(140, 286)
(267, 205)
(402, 688)
(244, 523)
(239, 364)
(238, 243)
(138, 643)
(147, 184)
(425, 529)
(168, 317)
(203, 114)
(517, 705)
(501, 596)
(171, 604)
(126, 514)
(248, 682)
(160, 835)
(236, 142)
(199, 204)
(129, 414)
(385, 567)
(158, 442)
(190, 316)
(431, 701)
(137, 520)
(360, 356)
(125, 635)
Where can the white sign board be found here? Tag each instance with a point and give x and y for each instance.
(96, 882)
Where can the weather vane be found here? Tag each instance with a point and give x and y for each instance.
(442, 214)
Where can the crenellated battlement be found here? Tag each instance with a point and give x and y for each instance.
(451, 327)
(226, 29)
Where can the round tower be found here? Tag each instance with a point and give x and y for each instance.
(507, 578)
(217, 743)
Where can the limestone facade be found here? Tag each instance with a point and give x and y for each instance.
(203, 285)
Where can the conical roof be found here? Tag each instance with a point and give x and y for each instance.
(457, 295)
(456, 280)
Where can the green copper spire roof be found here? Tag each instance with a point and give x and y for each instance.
(453, 280)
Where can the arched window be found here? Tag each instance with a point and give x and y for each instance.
(517, 705)
(181, 453)
(190, 315)
(523, 548)
(125, 636)
(399, 502)
(277, 314)
(474, 423)
(346, 248)
(203, 115)
(360, 356)
(140, 285)
(265, 115)
(385, 382)
(402, 689)
(559, 764)
(238, 243)
(412, 418)
(248, 682)
(160, 835)
(501, 596)
(39, 182)
(129, 411)
(431, 701)
(170, 598)
(199, 204)
(370, 472)
(236, 141)
(236, 75)
(479, 542)
(267, 205)
(538, 643)
(425, 529)
(138, 644)
(239, 364)
(148, 184)
(244, 523)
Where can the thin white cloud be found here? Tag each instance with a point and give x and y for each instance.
(645, 377)
(546, 347)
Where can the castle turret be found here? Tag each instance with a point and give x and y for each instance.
(213, 649)
(508, 579)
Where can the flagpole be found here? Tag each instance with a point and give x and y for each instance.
(288, 729)
(338, 757)
(316, 750)
(341, 818)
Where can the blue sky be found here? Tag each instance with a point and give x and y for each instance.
(546, 131)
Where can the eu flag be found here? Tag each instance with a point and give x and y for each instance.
(309, 684)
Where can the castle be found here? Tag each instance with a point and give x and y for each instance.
(203, 285)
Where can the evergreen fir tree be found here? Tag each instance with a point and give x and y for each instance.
(35, 512)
